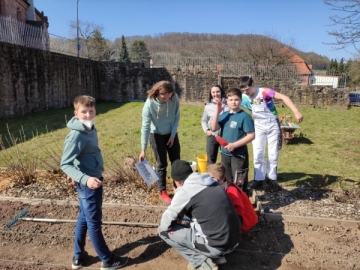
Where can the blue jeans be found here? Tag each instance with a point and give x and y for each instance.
(89, 219)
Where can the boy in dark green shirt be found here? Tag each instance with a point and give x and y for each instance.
(237, 128)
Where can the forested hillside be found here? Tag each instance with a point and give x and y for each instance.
(246, 48)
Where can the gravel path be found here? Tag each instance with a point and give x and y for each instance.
(338, 204)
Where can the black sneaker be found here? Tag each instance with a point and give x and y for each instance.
(76, 263)
(274, 185)
(116, 262)
(256, 184)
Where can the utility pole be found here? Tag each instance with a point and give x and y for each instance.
(77, 27)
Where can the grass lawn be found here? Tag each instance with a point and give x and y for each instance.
(324, 153)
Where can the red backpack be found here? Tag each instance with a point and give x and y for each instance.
(242, 205)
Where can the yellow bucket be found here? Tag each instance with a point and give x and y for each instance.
(202, 163)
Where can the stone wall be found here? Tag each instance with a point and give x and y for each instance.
(304, 96)
(125, 82)
(195, 87)
(35, 80)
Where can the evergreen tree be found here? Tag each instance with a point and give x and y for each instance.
(341, 73)
(349, 73)
(348, 64)
(335, 67)
(341, 66)
(123, 55)
(98, 47)
(139, 52)
(329, 66)
(332, 67)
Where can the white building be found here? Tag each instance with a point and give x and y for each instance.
(325, 80)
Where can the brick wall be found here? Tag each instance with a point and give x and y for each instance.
(35, 80)
(11, 8)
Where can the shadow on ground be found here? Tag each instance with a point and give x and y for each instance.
(154, 248)
(300, 139)
(262, 248)
(308, 187)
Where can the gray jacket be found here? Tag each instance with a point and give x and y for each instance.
(209, 208)
(209, 112)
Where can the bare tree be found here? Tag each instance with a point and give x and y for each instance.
(264, 50)
(254, 49)
(93, 44)
(86, 32)
(349, 23)
(257, 49)
(86, 29)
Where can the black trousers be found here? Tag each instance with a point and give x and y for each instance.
(233, 164)
(212, 149)
(161, 150)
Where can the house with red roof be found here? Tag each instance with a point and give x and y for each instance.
(307, 76)
(304, 69)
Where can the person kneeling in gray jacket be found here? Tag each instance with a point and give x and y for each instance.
(214, 225)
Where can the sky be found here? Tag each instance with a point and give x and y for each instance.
(301, 23)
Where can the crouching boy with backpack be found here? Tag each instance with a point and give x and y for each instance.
(240, 200)
(214, 228)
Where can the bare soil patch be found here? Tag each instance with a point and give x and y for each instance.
(270, 245)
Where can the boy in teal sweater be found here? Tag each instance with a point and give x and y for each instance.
(82, 161)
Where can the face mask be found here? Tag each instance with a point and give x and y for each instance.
(87, 123)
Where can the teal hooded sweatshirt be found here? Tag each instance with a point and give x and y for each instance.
(81, 158)
(159, 118)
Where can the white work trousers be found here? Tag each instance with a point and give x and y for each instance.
(266, 130)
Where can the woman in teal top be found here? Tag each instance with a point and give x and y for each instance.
(160, 121)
